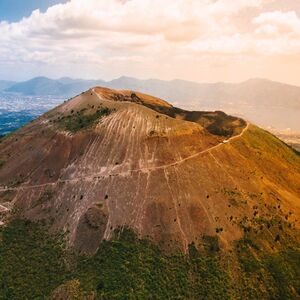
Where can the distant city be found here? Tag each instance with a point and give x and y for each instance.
(16, 109)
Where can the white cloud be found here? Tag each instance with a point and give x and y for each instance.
(152, 32)
(285, 22)
(279, 32)
(267, 29)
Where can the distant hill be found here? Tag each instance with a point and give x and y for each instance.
(57, 87)
(265, 102)
(5, 84)
(38, 86)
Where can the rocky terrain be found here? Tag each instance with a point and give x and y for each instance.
(108, 160)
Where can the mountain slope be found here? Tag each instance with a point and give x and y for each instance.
(41, 86)
(157, 202)
(37, 86)
(106, 159)
(5, 84)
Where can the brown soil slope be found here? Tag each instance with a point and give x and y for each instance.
(110, 158)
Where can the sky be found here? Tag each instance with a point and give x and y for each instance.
(14, 10)
(197, 40)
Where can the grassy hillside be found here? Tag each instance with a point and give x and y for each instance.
(35, 265)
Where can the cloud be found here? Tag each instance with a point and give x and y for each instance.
(278, 21)
(152, 32)
(278, 32)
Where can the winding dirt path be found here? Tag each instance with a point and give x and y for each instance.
(96, 176)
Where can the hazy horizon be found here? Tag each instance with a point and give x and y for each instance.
(145, 79)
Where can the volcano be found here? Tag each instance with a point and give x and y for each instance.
(114, 158)
(115, 194)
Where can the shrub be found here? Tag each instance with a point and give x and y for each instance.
(80, 121)
(31, 262)
(2, 162)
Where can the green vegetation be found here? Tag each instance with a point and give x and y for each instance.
(2, 162)
(81, 120)
(219, 229)
(71, 290)
(284, 268)
(211, 244)
(268, 276)
(269, 147)
(31, 262)
(3, 137)
(44, 198)
(234, 196)
(129, 268)
(35, 265)
(19, 179)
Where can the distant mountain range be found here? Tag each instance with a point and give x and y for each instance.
(5, 84)
(253, 91)
(265, 102)
(45, 86)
